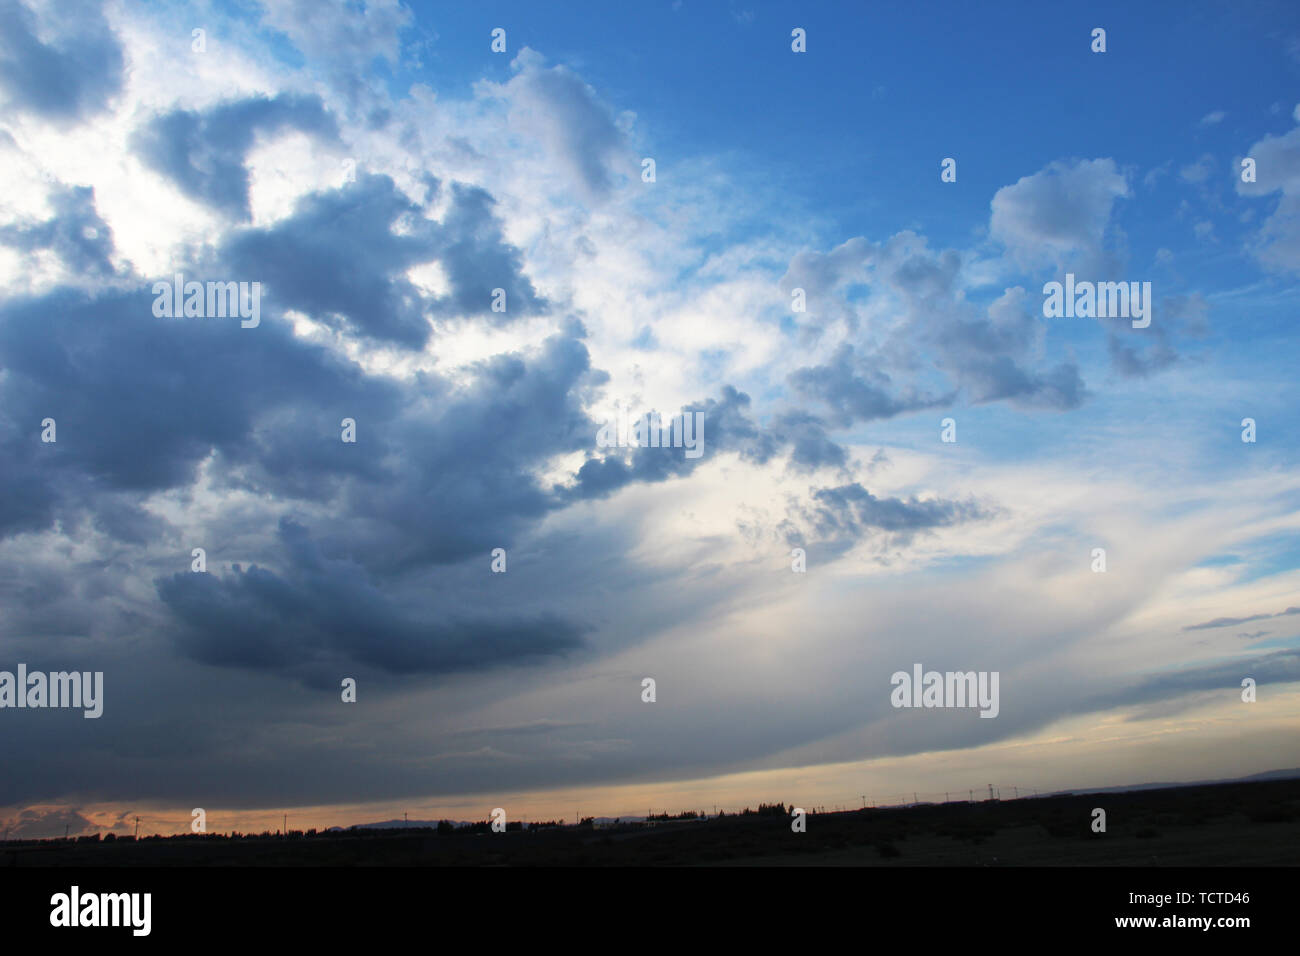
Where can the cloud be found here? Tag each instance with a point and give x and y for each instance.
(204, 152)
(45, 823)
(1213, 118)
(342, 259)
(1059, 215)
(1281, 667)
(61, 64)
(75, 233)
(558, 108)
(987, 353)
(1235, 621)
(857, 392)
(1199, 171)
(1277, 169)
(1131, 361)
(477, 430)
(342, 40)
(840, 516)
(327, 611)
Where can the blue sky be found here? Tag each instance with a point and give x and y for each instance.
(381, 173)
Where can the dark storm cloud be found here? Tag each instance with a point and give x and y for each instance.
(139, 401)
(337, 259)
(72, 75)
(204, 152)
(438, 472)
(465, 481)
(328, 609)
(76, 233)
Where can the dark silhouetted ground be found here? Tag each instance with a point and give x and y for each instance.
(1237, 824)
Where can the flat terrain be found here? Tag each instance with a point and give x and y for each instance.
(1236, 824)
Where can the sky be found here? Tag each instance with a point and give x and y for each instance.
(833, 258)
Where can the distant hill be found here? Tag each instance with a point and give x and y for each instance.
(403, 824)
(399, 824)
(1291, 774)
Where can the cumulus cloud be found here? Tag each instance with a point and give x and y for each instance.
(61, 63)
(838, 517)
(1059, 215)
(1277, 169)
(204, 152)
(342, 40)
(75, 233)
(563, 112)
(855, 391)
(342, 259)
(991, 354)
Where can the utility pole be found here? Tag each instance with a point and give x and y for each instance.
(990, 791)
(915, 798)
(1017, 790)
(864, 801)
(945, 796)
(137, 828)
(406, 819)
(285, 828)
(972, 795)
